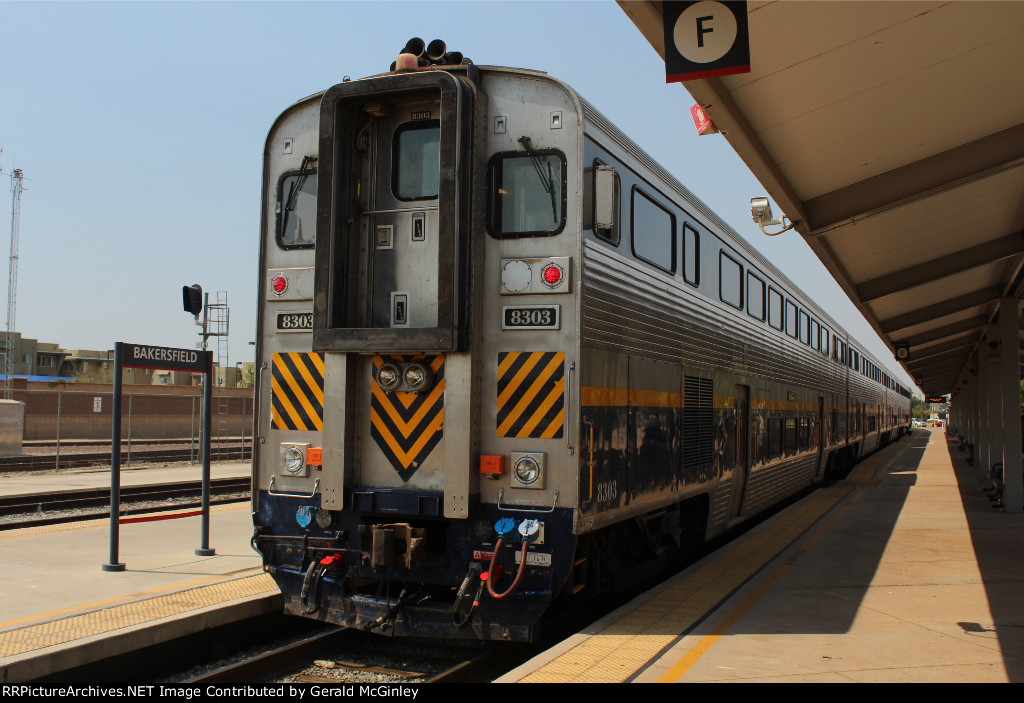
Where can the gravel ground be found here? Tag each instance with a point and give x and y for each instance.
(381, 659)
(365, 658)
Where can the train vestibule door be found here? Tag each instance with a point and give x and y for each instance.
(401, 213)
(820, 434)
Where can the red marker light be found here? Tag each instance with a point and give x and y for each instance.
(279, 284)
(552, 275)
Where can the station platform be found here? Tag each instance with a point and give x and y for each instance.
(904, 572)
(59, 609)
(901, 573)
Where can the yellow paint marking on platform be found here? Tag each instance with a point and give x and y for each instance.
(616, 653)
(863, 478)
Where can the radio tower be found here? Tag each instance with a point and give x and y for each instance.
(12, 286)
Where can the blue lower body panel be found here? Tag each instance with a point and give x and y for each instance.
(394, 565)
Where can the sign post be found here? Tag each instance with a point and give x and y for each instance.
(115, 465)
(144, 356)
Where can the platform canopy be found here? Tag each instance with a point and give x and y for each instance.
(893, 133)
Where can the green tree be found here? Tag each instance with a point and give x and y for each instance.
(248, 379)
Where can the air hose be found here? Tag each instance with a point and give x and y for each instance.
(463, 623)
(519, 573)
(314, 575)
(313, 579)
(387, 620)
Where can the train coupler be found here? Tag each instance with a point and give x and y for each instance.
(398, 544)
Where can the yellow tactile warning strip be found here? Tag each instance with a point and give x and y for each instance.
(617, 653)
(106, 620)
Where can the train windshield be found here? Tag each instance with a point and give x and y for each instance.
(527, 194)
(296, 209)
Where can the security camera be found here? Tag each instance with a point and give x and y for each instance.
(761, 210)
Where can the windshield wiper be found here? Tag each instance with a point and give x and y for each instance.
(547, 182)
(293, 191)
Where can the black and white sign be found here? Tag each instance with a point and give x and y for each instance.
(145, 356)
(295, 321)
(705, 39)
(530, 317)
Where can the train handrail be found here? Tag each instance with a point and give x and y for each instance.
(270, 490)
(554, 500)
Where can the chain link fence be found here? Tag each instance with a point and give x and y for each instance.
(65, 426)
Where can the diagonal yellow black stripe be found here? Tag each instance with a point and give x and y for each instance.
(531, 394)
(297, 392)
(407, 426)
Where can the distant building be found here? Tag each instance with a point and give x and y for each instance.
(98, 365)
(34, 358)
(30, 357)
(227, 377)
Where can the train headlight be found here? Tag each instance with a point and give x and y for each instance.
(417, 377)
(388, 377)
(292, 460)
(528, 469)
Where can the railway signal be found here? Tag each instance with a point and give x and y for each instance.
(192, 299)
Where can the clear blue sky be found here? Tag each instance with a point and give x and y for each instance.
(140, 128)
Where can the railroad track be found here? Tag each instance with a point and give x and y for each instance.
(76, 504)
(77, 456)
(365, 659)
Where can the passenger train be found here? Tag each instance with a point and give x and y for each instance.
(506, 361)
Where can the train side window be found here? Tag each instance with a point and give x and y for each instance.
(416, 155)
(730, 280)
(296, 209)
(823, 346)
(790, 436)
(653, 231)
(526, 193)
(815, 333)
(755, 297)
(805, 322)
(775, 437)
(804, 434)
(775, 317)
(590, 201)
(691, 255)
(791, 320)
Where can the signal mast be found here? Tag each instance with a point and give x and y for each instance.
(17, 177)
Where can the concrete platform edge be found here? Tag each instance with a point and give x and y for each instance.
(52, 660)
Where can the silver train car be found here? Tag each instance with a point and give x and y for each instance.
(506, 361)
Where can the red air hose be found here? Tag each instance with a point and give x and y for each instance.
(519, 574)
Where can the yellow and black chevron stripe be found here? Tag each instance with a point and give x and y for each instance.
(297, 392)
(531, 401)
(407, 426)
